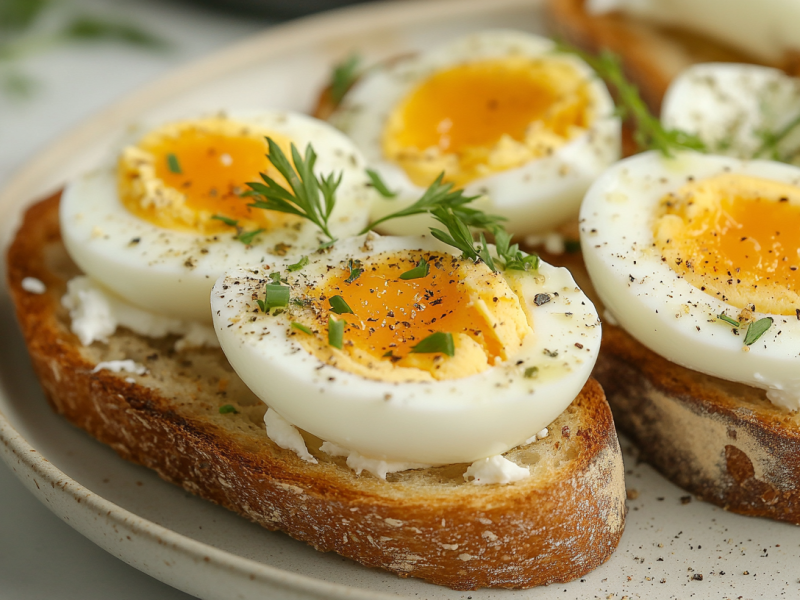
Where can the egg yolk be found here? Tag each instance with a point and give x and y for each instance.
(736, 237)
(486, 116)
(392, 315)
(185, 174)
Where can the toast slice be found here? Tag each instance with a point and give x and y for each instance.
(558, 524)
(725, 442)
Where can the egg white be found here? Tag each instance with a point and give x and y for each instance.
(440, 422)
(536, 196)
(728, 105)
(655, 304)
(171, 272)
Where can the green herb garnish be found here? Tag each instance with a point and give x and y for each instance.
(343, 77)
(227, 220)
(531, 372)
(173, 164)
(246, 237)
(303, 199)
(298, 265)
(728, 320)
(339, 306)
(275, 277)
(277, 296)
(335, 332)
(511, 255)
(301, 327)
(770, 140)
(458, 234)
(436, 342)
(379, 185)
(355, 271)
(228, 408)
(438, 195)
(418, 272)
(756, 330)
(649, 133)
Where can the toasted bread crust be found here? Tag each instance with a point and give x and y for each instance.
(553, 527)
(724, 442)
(651, 56)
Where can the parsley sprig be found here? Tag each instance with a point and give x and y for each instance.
(441, 195)
(771, 140)
(649, 133)
(310, 196)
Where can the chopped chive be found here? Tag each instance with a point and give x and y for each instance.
(531, 372)
(226, 220)
(339, 306)
(379, 185)
(277, 296)
(228, 408)
(246, 237)
(728, 320)
(299, 264)
(436, 342)
(262, 307)
(301, 327)
(388, 354)
(173, 164)
(275, 277)
(335, 333)
(355, 271)
(326, 245)
(418, 272)
(756, 330)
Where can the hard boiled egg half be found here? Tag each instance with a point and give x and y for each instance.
(399, 349)
(698, 258)
(746, 111)
(501, 113)
(162, 224)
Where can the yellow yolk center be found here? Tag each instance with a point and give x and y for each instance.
(184, 174)
(392, 315)
(736, 237)
(486, 116)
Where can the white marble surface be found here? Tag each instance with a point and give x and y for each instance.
(41, 557)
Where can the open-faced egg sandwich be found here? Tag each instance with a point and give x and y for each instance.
(420, 404)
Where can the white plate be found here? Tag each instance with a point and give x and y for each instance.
(207, 551)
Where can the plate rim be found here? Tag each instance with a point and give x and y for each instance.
(25, 461)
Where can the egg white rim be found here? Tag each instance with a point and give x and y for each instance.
(543, 192)
(460, 420)
(647, 297)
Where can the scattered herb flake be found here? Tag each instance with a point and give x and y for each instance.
(339, 306)
(227, 220)
(246, 237)
(301, 327)
(418, 272)
(531, 372)
(173, 164)
(277, 296)
(298, 265)
(436, 342)
(227, 409)
(756, 330)
(355, 271)
(728, 320)
(335, 332)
